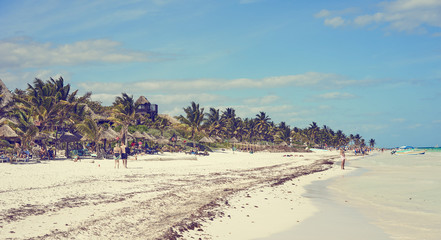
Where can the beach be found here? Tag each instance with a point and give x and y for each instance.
(227, 195)
(381, 196)
(157, 197)
(399, 194)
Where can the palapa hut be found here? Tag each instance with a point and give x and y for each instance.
(145, 107)
(206, 140)
(138, 135)
(6, 95)
(67, 138)
(6, 132)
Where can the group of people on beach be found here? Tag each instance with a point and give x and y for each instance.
(120, 152)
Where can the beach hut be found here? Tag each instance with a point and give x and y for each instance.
(233, 140)
(148, 136)
(7, 133)
(67, 138)
(206, 140)
(138, 135)
(162, 140)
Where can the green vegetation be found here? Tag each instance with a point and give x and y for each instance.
(51, 108)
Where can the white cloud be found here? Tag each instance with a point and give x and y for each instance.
(30, 54)
(323, 13)
(368, 19)
(21, 79)
(161, 99)
(335, 22)
(398, 120)
(263, 100)
(398, 15)
(416, 125)
(335, 96)
(310, 79)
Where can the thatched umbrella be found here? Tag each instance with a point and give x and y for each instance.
(162, 140)
(234, 140)
(43, 136)
(108, 135)
(138, 135)
(68, 137)
(8, 133)
(217, 138)
(206, 140)
(148, 136)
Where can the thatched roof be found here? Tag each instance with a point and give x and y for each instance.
(171, 119)
(234, 140)
(7, 132)
(95, 116)
(138, 135)
(109, 135)
(7, 96)
(206, 140)
(70, 137)
(142, 100)
(5, 120)
(43, 136)
(148, 136)
(162, 140)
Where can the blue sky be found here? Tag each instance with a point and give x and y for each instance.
(368, 67)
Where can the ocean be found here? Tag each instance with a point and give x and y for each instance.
(399, 194)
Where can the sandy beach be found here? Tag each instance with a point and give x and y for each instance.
(157, 197)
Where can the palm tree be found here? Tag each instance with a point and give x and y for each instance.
(313, 131)
(194, 117)
(372, 143)
(24, 127)
(262, 124)
(213, 122)
(357, 140)
(283, 132)
(250, 128)
(162, 124)
(341, 139)
(229, 113)
(51, 103)
(90, 129)
(236, 128)
(124, 113)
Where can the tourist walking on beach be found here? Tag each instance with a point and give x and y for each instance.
(124, 154)
(117, 154)
(343, 158)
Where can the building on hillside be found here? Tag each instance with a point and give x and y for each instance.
(145, 107)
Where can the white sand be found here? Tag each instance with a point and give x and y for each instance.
(264, 211)
(157, 197)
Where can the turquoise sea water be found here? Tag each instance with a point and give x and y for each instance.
(430, 149)
(399, 194)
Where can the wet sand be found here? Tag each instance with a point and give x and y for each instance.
(334, 219)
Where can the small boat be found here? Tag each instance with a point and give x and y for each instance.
(408, 150)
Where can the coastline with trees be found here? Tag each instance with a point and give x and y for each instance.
(49, 108)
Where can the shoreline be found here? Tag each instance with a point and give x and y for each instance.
(335, 217)
(301, 207)
(151, 199)
(267, 211)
